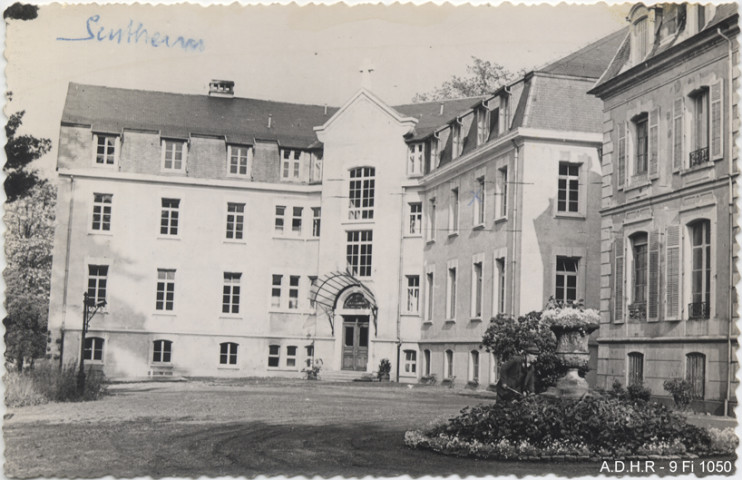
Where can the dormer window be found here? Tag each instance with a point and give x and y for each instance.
(456, 140)
(641, 39)
(482, 125)
(415, 159)
(290, 164)
(174, 153)
(238, 160)
(106, 151)
(435, 157)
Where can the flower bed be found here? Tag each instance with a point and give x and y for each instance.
(587, 429)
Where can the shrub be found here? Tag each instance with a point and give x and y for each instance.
(47, 382)
(385, 368)
(636, 392)
(681, 391)
(558, 426)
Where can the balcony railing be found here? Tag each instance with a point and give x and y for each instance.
(698, 311)
(699, 157)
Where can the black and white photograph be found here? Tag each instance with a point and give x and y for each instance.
(365, 240)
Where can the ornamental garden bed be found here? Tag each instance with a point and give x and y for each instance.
(540, 428)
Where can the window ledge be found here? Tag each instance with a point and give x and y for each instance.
(106, 233)
(476, 319)
(478, 227)
(639, 184)
(450, 320)
(227, 367)
(168, 365)
(234, 242)
(298, 311)
(158, 313)
(230, 317)
(453, 234)
(698, 168)
(427, 322)
(169, 237)
(289, 237)
(361, 222)
(239, 176)
(430, 242)
(282, 369)
(93, 362)
(412, 235)
(572, 215)
(410, 314)
(501, 219)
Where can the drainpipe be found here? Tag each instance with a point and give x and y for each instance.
(730, 150)
(514, 227)
(66, 268)
(400, 285)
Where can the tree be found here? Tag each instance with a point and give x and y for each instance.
(20, 11)
(483, 77)
(29, 222)
(20, 151)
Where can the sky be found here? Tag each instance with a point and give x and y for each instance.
(304, 54)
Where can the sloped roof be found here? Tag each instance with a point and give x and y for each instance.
(559, 103)
(589, 61)
(429, 114)
(240, 120)
(621, 60)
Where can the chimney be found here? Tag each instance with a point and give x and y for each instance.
(325, 109)
(221, 88)
(441, 110)
(270, 119)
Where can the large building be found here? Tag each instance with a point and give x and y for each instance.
(668, 226)
(240, 237)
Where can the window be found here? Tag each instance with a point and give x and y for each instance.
(105, 151)
(362, 185)
(641, 129)
(695, 373)
(235, 220)
(500, 272)
(456, 140)
(413, 293)
(474, 366)
(641, 41)
(416, 155)
(700, 285)
(280, 212)
(309, 354)
(276, 291)
(639, 272)
(429, 296)
(359, 252)
(165, 289)
(700, 127)
(316, 165)
(97, 283)
(569, 187)
(495, 121)
(162, 351)
(503, 187)
(169, 217)
(479, 196)
(173, 155)
(93, 349)
(410, 361)
(294, 291)
(431, 220)
(291, 164)
(238, 159)
(482, 125)
(476, 304)
(426, 359)
(448, 364)
(296, 220)
(435, 154)
(102, 203)
(231, 293)
(228, 353)
(636, 369)
(451, 294)
(316, 219)
(453, 212)
(566, 279)
(291, 356)
(274, 356)
(416, 218)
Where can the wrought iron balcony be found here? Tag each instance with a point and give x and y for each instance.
(699, 157)
(698, 311)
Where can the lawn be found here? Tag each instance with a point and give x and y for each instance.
(245, 428)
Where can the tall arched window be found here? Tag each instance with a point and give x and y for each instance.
(636, 368)
(162, 351)
(361, 193)
(448, 364)
(474, 366)
(695, 373)
(700, 280)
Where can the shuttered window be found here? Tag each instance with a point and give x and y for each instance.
(618, 298)
(677, 134)
(700, 233)
(717, 149)
(654, 136)
(653, 294)
(639, 247)
(672, 264)
(695, 373)
(621, 171)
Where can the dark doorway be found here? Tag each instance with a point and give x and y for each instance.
(355, 342)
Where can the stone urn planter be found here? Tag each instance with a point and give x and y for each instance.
(572, 326)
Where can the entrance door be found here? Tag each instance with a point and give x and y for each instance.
(355, 342)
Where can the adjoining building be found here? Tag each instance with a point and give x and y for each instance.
(243, 237)
(669, 218)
